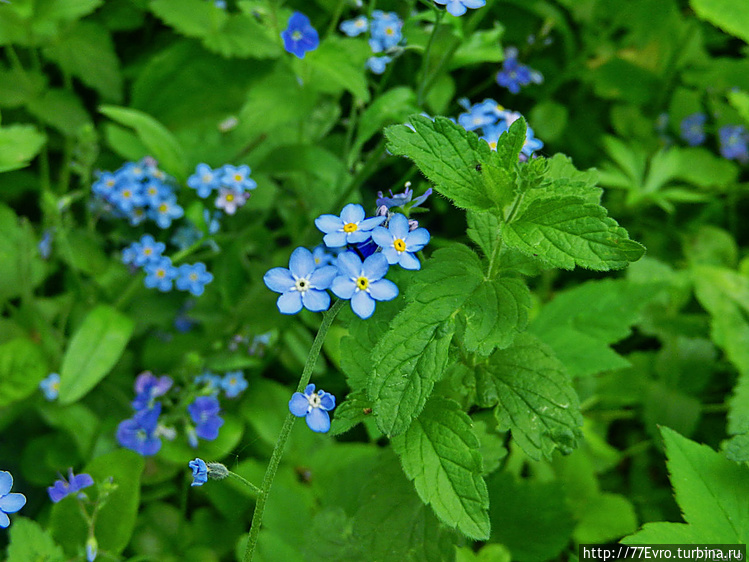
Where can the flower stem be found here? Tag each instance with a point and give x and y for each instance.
(244, 481)
(275, 459)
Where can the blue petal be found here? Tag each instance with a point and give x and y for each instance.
(362, 304)
(309, 390)
(357, 237)
(315, 300)
(391, 254)
(327, 401)
(417, 239)
(382, 237)
(375, 267)
(371, 222)
(290, 302)
(4, 520)
(298, 404)
(12, 502)
(349, 265)
(318, 420)
(328, 223)
(335, 239)
(409, 261)
(343, 287)
(6, 482)
(322, 277)
(301, 262)
(398, 226)
(383, 290)
(352, 213)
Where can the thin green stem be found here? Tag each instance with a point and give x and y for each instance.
(275, 459)
(427, 55)
(336, 18)
(244, 481)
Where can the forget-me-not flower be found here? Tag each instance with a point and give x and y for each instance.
(314, 407)
(204, 180)
(459, 7)
(160, 274)
(145, 251)
(63, 488)
(378, 64)
(302, 285)
(139, 432)
(363, 282)
(300, 37)
(193, 278)
(50, 386)
(385, 31)
(355, 27)
(237, 177)
(350, 228)
(204, 412)
(733, 142)
(233, 383)
(166, 211)
(693, 129)
(199, 472)
(9, 503)
(148, 387)
(230, 199)
(399, 243)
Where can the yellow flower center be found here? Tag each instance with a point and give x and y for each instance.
(110, 183)
(362, 283)
(350, 227)
(56, 385)
(389, 31)
(399, 245)
(193, 277)
(147, 251)
(493, 145)
(229, 197)
(206, 178)
(163, 208)
(237, 177)
(126, 194)
(160, 273)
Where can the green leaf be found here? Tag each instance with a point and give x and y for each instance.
(20, 270)
(439, 452)
(580, 324)
(481, 46)
(737, 448)
(22, 367)
(731, 17)
(711, 492)
(339, 63)
(29, 542)
(18, 145)
(412, 354)
(160, 142)
(86, 51)
(447, 155)
(534, 397)
(62, 110)
(193, 18)
(93, 350)
(18, 86)
(566, 232)
(116, 519)
(356, 409)
(393, 106)
(484, 229)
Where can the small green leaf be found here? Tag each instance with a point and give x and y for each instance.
(193, 18)
(711, 492)
(567, 231)
(160, 142)
(481, 46)
(94, 349)
(29, 542)
(393, 106)
(22, 367)
(18, 145)
(439, 452)
(534, 397)
(339, 63)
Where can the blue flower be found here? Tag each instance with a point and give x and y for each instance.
(160, 274)
(514, 75)
(399, 243)
(363, 283)
(531, 144)
(154, 191)
(350, 228)
(143, 252)
(50, 386)
(204, 180)
(199, 472)
(212, 220)
(105, 185)
(733, 142)
(321, 257)
(378, 64)
(237, 178)
(166, 211)
(92, 549)
(9, 503)
(62, 488)
(45, 244)
(355, 27)
(480, 115)
(193, 278)
(314, 407)
(139, 432)
(302, 285)
(230, 199)
(300, 37)
(385, 31)
(204, 412)
(234, 383)
(458, 7)
(693, 129)
(148, 387)
(212, 381)
(401, 199)
(128, 197)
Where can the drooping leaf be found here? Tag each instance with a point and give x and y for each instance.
(439, 452)
(93, 350)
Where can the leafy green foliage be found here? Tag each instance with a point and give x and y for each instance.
(18, 145)
(729, 16)
(439, 453)
(28, 541)
(22, 367)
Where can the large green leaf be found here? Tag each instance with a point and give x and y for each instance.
(711, 492)
(22, 367)
(29, 542)
(18, 145)
(337, 65)
(439, 452)
(534, 397)
(94, 349)
(732, 17)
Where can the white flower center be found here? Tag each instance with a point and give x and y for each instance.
(314, 400)
(301, 284)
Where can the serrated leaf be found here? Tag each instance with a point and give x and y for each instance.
(711, 492)
(160, 142)
(534, 397)
(93, 350)
(484, 230)
(511, 142)
(29, 542)
(447, 155)
(566, 232)
(18, 145)
(439, 452)
(242, 36)
(737, 448)
(193, 18)
(356, 409)
(732, 17)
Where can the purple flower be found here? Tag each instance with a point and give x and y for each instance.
(350, 228)
(139, 433)
(399, 243)
(314, 407)
(302, 285)
(693, 129)
(149, 387)
(230, 200)
(401, 199)
(9, 503)
(62, 488)
(300, 37)
(363, 283)
(204, 412)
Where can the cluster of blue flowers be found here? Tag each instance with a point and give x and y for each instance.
(232, 183)
(9, 502)
(490, 120)
(733, 139)
(161, 274)
(232, 383)
(514, 75)
(300, 37)
(139, 191)
(385, 36)
(459, 7)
